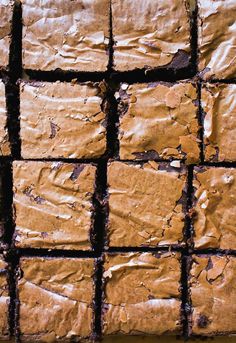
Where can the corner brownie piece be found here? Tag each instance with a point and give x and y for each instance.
(65, 34)
(56, 296)
(145, 204)
(219, 106)
(53, 204)
(141, 294)
(217, 38)
(215, 204)
(159, 120)
(6, 12)
(150, 34)
(4, 300)
(62, 120)
(213, 294)
(4, 139)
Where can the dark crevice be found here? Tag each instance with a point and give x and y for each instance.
(200, 122)
(194, 38)
(97, 333)
(185, 299)
(215, 251)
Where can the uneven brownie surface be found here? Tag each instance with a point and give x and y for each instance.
(53, 204)
(215, 215)
(217, 38)
(4, 300)
(55, 299)
(141, 294)
(4, 139)
(145, 206)
(213, 295)
(70, 35)
(219, 106)
(142, 38)
(62, 120)
(6, 11)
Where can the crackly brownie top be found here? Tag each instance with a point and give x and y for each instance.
(141, 293)
(219, 106)
(4, 299)
(217, 38)
(215, 207)
(6, 12)
(53, 204)
(4, 139)
(213, 294)
(150, 33)
(70, 35)
(145, 204)
(62, 120)
(159, 118)
(55, 298)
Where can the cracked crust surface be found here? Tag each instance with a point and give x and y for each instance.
(6, 12)
(4, 139)
(219, 106)
(142, 38)
(217, 38)
(160, 118)
(4, 300)
(55, 299)
(141, 294)
(145, 204)
(62, 120)
(53, 204)
(215, 208)
(213, 295)
(70, 35)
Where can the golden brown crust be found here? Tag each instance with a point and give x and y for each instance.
(62, 120)
(4, 139)
(4, 300)
(213, 295)
(141, 294)
(159, 117)
(73, 35)
(53, 204)
(142, 36)
(217, 38)
(144, 207)
(219, 106)
(6, 11)
(215, 215)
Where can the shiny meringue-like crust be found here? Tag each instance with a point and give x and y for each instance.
(160, 118)
(61, 120)
(215, 208)
(219, 105)
(217, 38)
(4, 139)
(143, 205)
(142, 36)
(53, 204)
(6, 11)
(4, 300)
(213, 295)
(70, 35)
(141, 294)
(56, 297)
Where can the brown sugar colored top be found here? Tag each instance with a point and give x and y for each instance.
(67, 35)
(4, 138)
(4, 300)
(6, 12)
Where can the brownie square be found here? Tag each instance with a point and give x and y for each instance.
(67, 35)
(159, 120)
(62, 120)
(53, 204)
(217, 38)
(150, 34)
(141, 294)
(213, 294)
(219, 106)
(56, 296)
(6, 12)
(4, 300)
(4, 139)
(215, 204)
(146, 204)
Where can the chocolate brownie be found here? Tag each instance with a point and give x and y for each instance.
(4, 300)
(6, 12)
(4, 139)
